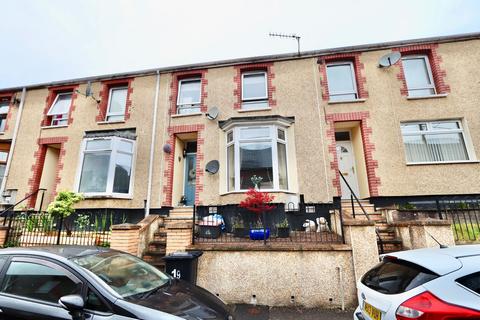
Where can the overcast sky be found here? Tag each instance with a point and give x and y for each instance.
(49, 40)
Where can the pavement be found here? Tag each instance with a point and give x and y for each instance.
(250, 312)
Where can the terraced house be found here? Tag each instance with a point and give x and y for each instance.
(318, 130)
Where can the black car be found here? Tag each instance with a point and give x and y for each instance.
(78, 282)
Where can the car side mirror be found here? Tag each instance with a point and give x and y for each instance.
(74, 304)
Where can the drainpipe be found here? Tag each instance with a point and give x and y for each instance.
(14, 140)
(342, 288)
(152, 147)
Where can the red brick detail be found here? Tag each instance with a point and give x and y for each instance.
(268, 68)
(430, 50)
(170, 160)
(359, 69)
(4, 96)
(177, 76)
(368, 148)
(39, 161)
(52, 93)
(104, 95)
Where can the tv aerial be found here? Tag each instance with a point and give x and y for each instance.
(389, 59)
(88, 92)
(291, 36)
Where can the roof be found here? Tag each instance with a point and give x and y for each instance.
(257, 59)
(60, 250)
(440, 261)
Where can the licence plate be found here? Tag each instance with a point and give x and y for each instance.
(372, 312)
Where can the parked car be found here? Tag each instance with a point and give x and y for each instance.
(433, 284)
(78, 282)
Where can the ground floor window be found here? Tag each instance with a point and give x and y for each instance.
(436, 141)
(257, 154)
(106, 166)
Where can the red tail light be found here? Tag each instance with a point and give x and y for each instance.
(426, 306)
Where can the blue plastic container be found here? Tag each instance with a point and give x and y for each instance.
(257, 234)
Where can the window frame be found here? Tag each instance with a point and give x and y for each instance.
(255, 99)
(430, 131)
(3, 116)
(111, 168)
(196, 105)
(108, 113)
(354, 80)
(426, 60)
(273, 139)
(64, 115)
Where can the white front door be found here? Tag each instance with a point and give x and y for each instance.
(346, 165)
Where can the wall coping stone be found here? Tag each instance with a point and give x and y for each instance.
(126, 226)
(411, 223)
(351, 222)
(269, 247)
(3, 227)
(179, 225)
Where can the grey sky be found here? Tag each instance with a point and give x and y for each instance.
(47, 40)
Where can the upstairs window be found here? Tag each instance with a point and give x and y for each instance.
(418, 76)
(58, 112)
(117, 103)
(341, 81)
(4, 106)
(438, 141)
(189, 96)
(259, 151)
(106, 167)
(254, 90)
(3, 164)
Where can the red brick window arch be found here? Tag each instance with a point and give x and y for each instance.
(115, 100)
(188, 92)
(254, 87)
(59, 106)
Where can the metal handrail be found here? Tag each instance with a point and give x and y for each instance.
(25, 198)
(363, 210)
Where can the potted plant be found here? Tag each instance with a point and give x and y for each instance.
(259, 203)
(283, 229)
(62, 206)
(238, 228)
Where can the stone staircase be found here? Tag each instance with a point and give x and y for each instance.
(387, 234)
(157, 248)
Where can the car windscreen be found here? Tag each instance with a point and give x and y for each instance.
(393, 276)
(124, 273)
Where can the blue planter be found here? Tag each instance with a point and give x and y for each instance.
(257, 234)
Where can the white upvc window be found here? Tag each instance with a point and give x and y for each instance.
(106, 167)
(435, 142)
(418, 76)
(189, 96)
(254, 90)
(117, 103)
(4, 106)
(342, 85)
(259, 151)
(59, 110)
(3, 165)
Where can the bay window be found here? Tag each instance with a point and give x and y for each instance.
(58, 112)
(437, 141)
(257, 151)
(106, 167)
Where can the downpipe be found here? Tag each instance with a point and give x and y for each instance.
(342, 287)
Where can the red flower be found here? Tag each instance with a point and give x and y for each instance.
(257, 201)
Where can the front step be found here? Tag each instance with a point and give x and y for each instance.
(181, 213)
(157, 248)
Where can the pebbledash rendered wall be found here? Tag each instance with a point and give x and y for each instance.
(297, 88)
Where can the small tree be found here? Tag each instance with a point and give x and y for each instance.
(62, 206)
(259, 203)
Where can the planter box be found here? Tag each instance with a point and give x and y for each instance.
(258, 234)
(209, 230)
(240, 232)
(283, 232)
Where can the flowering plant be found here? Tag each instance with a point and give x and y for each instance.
(257, 201)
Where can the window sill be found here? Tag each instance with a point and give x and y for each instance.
(347, 101)
(254, 110)
(433, 96)
(110, 122)
(265, 190)
(53, 127)
(186, 115)
(107, 196)
(441, 162)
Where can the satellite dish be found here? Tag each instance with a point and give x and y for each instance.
(167, 148)
(212, 114)
(389, 59)
(212, 166)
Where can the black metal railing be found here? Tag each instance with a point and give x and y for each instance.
(31, 228)
(464, 216)
(353, 197)
(302, 223)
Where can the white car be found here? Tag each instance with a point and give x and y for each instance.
(423, 284)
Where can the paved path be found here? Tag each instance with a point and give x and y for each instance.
(249, 312)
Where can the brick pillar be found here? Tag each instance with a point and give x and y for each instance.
(3, 235)
(125, 237)
(179, 235)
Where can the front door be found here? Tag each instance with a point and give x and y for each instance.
(190, 178)
(346, 165)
